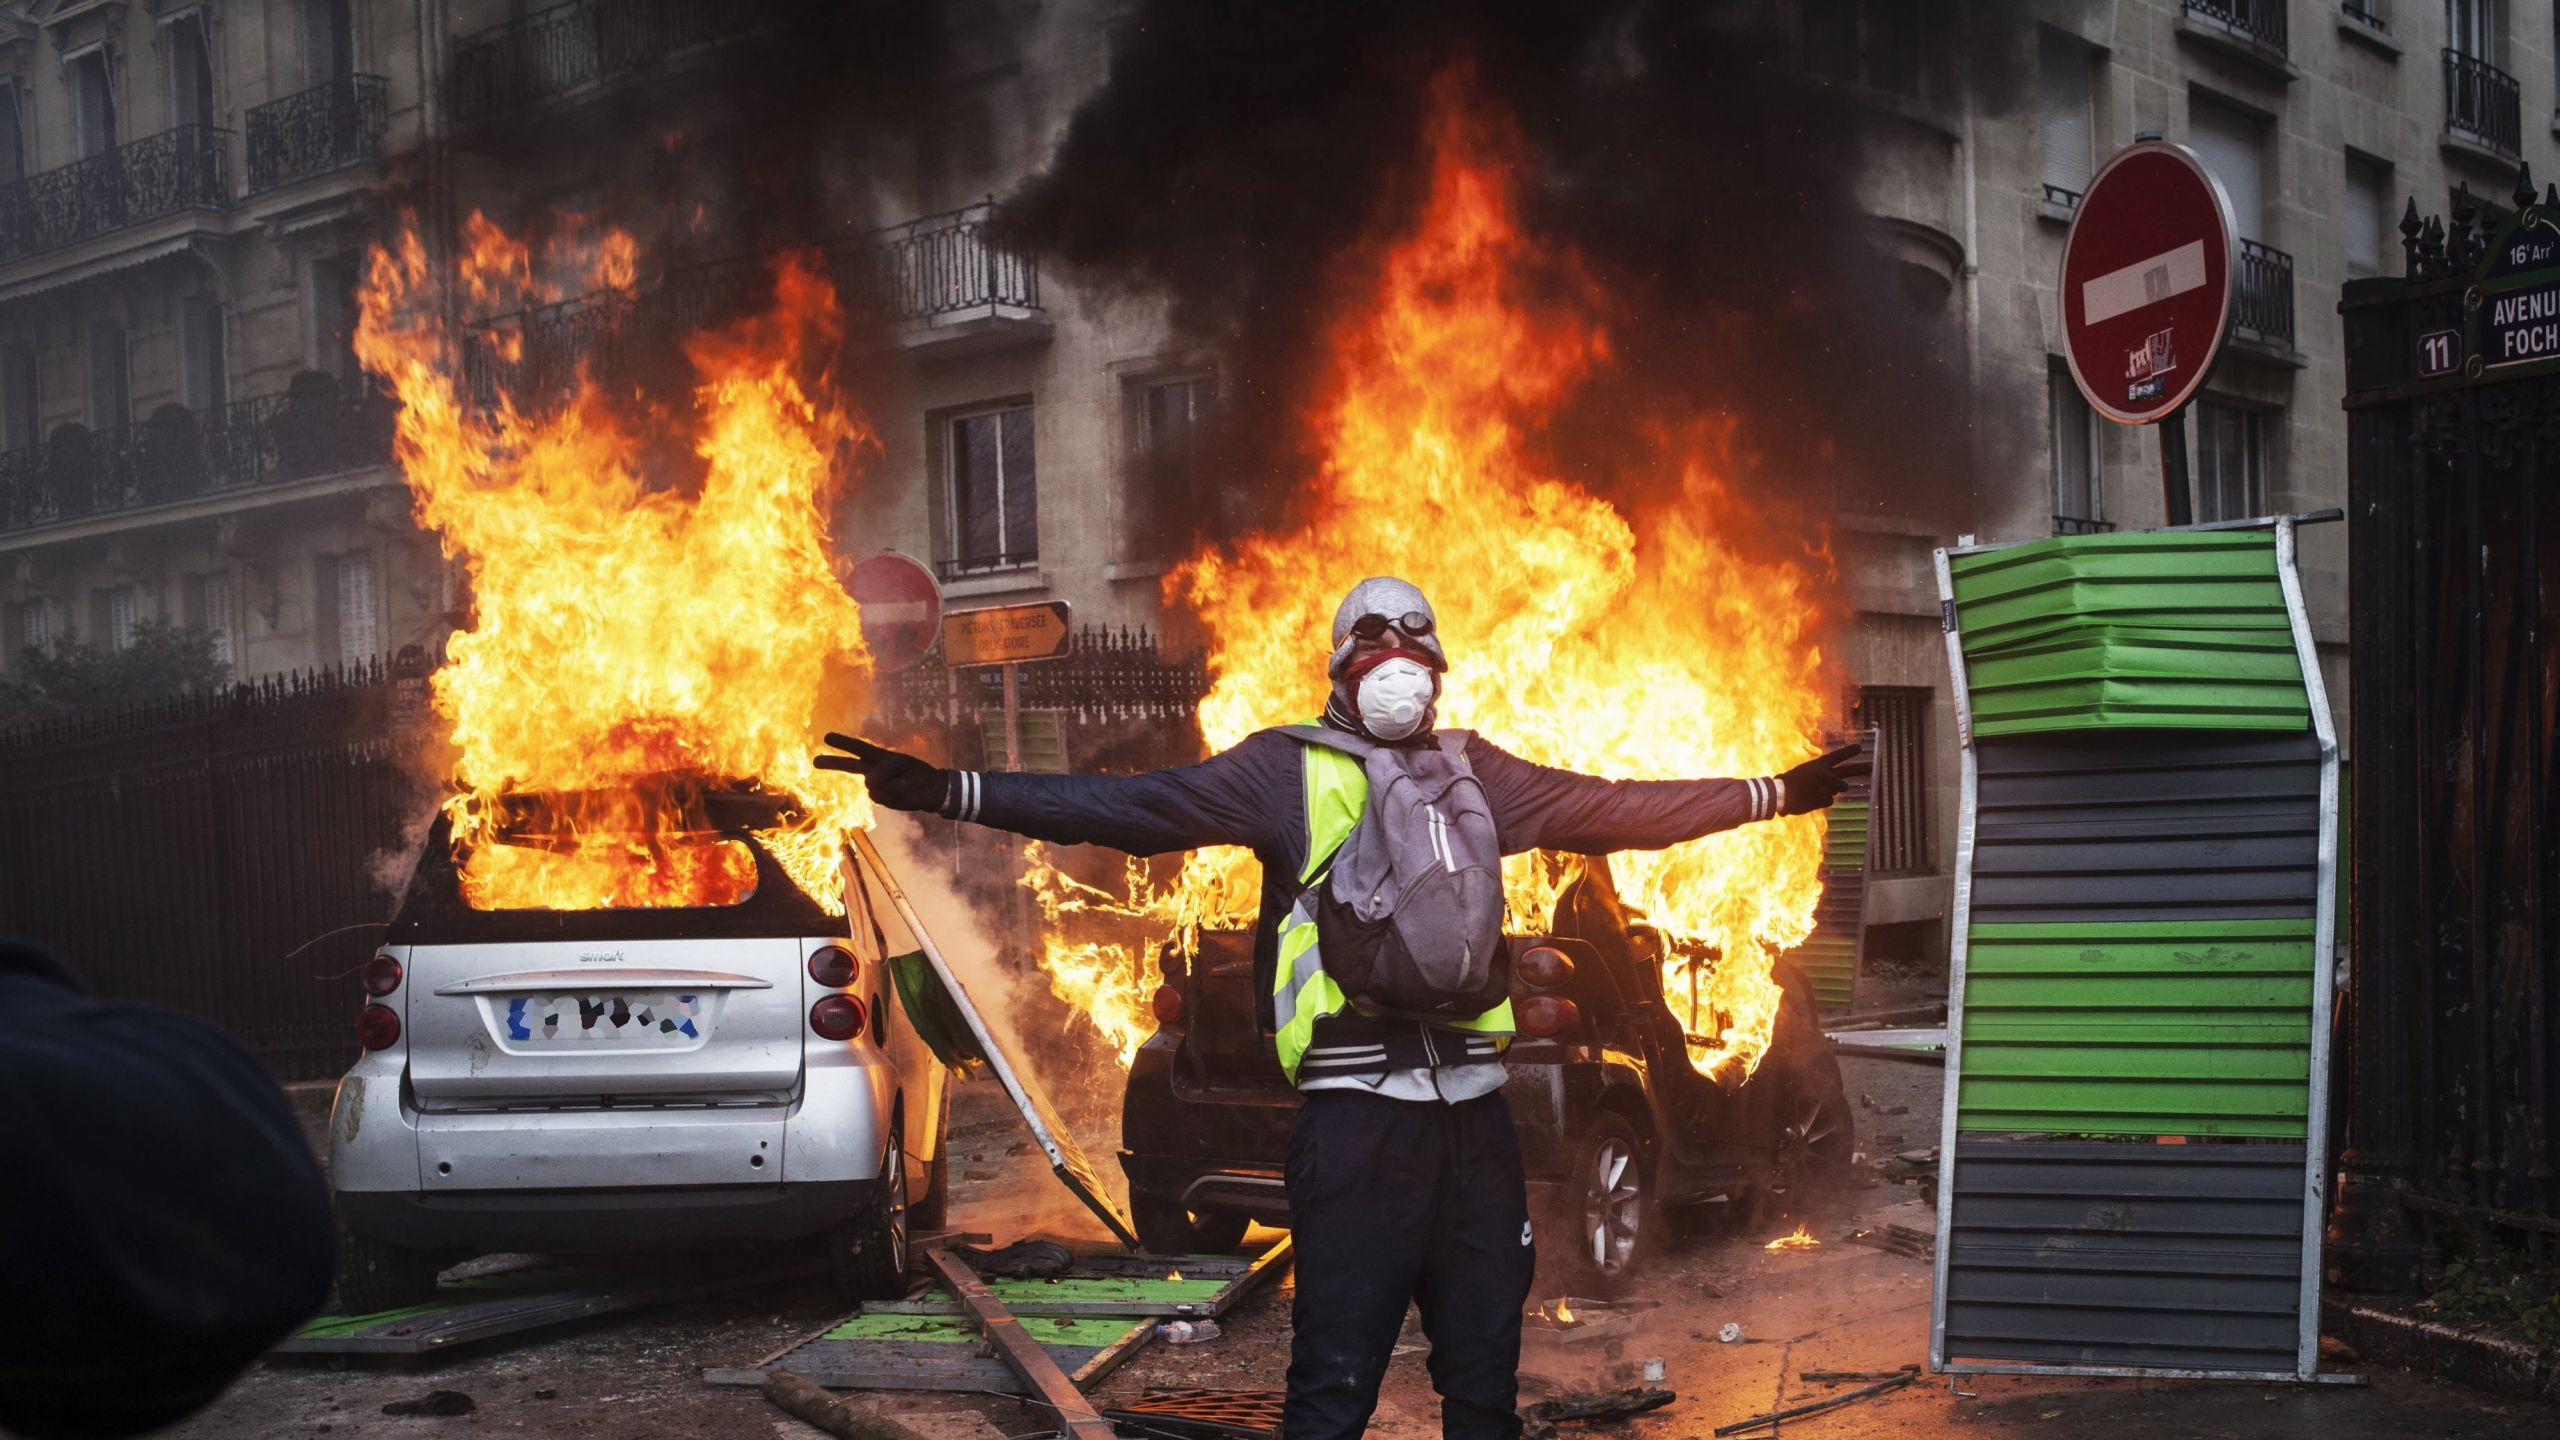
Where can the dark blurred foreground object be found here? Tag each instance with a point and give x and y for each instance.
(165, 1222)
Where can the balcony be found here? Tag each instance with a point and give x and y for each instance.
(2481, 107)
(2262, 302)
(940, 282)
(582, 47)
(159, 175)
(2258, 22)
(180, 454)
(2082, 525)
(326, 128)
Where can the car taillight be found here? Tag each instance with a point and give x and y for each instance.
(1546, 1016)
(381, 976)
(1167, 1003)
(1543, 965)
(836, 1017)
(832, 966)
(377, 1027)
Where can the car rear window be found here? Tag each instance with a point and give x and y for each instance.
(609, 872)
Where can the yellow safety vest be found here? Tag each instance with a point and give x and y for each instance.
(1301, 992)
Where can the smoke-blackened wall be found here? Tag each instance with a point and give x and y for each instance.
(1707, 178)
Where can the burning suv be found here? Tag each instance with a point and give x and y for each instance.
(1616, 1126)
(607, 1079)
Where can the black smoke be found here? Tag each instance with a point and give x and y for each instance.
(1704, 158)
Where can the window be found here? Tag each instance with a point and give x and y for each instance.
(110, 376)
(111, 617)
(333, 316)
(13, 138)
(1898, 829)
(994, 500)
(2231, 461)
(2231, 144)
(2471, 28)
(2073, 433)
(2368, 217)
(2369, 12)
(351, 609)
(93, 104)
(1044, 740)
(2069, 70)
(200, 353)
(1887, 45)
(209, 610)
(30, 627)
(18, 396)
(190, 73)
(328, 42)
(1167, 416)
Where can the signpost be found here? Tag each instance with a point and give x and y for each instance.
(1008, 637)
(2147, 275)
(901, 605)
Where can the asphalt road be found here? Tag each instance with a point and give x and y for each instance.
(1839, 1307)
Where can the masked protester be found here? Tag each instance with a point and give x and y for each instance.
(1404, 1175)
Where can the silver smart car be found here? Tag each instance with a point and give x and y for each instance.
(612, 1080)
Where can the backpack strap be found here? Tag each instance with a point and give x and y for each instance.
(1357, 746)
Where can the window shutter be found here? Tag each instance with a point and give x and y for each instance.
(216, 618)
(2069, 139)
(357, 611)
(2229, 143)
(2368, 205)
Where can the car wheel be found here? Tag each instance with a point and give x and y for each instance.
(1166, 1228)
(868, 1257)
(1610, 1224)
(374, 1276)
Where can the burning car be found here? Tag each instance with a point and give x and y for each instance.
(1617, 1127)
(625, 1076)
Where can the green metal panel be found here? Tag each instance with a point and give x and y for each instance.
(1829, 956)
(2161, 630)
(2195, 1028)
(1844, 844)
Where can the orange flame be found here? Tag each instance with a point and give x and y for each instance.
(636, 637)
(1801, 1240)
(1630, 641)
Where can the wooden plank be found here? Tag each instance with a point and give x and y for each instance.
(1049, 1384)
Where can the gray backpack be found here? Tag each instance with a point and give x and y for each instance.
(1409, 908)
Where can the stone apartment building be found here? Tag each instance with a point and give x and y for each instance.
(188, 182)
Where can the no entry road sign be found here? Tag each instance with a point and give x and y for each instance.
(1005, 634)
(2146, 282)
(901, 608)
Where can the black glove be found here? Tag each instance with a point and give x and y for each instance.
(901, 782)
(1814, 784)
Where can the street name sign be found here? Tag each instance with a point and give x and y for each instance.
(2147, 275)
(2513, 304)
(1006, 634)
(901, 607)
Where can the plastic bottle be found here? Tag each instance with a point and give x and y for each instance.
(1188, 1332)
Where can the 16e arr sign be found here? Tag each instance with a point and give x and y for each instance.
(2520, 325)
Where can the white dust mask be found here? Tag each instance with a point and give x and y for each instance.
(1395, 698)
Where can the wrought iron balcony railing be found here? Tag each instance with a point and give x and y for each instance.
(2082, 525)
(936, 267)
(556, 53)
(2262, 305)
(327, 127)
(2363, 13)
(2259, 20)
(176, 170)
(2481, 103)
(2060, 197)
(179, 454)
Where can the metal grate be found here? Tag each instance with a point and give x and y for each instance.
(1898, 831)
(2481, 103)
(2263, 305)
(1204, 1414)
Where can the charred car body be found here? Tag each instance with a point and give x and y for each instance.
(616, 1079)
(1616, 1126)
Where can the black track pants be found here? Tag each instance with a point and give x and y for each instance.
(1392, 1201)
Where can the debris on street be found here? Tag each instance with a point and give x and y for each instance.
(434, 1402)
(1836, 1377)
(1023, 1259)
(1899, 1239)
(1802, 1239)
(1730, 1333)
(808, 1402)
(1206, 1414)
(1539, 1420)
(1816, 1407)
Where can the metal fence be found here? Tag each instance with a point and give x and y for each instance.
(2481, 103)
(179, 454)
(556, 53)
(2451, 1062)
(313, 132)
(2259, 20)
(214, 854)
(2262, 302)
(186, 168)
(1115, 701)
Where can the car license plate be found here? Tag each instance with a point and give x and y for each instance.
(673, 1018)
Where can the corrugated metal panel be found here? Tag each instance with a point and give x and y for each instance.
(1844, 842)
(2176, 629)
(1829, 956)
(2090, 1253)
(2129, 826)
(2138, 1028)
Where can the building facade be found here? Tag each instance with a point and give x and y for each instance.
(185, 186)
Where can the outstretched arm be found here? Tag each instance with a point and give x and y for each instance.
(1237, 797)
(1542, 807)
